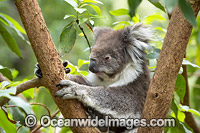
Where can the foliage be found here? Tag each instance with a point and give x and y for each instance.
(83, 16)
(87, 14)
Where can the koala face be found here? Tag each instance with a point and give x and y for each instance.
(109, 55)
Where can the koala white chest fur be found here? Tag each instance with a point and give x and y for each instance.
(119, 79)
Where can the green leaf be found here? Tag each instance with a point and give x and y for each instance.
(187, 109)
(68, 16)
(11, 90)
(9, 40)
(96, 8)
(187, 12)
(119, 12)
(198, 37)
(181, 116)
(80, 10)
(180, 87)
(6, 124)
(82, 62)
(17, 115)
(85, 73)
(174, 107)
(133, 4)
(29, 93)
(67, 38)
(6, 72)
(92, 1)
(151, 18)
(186, 62)
(122, 22)
(179, 128)
(83, 20)
(13, 23)
(135, 19)
(18, 102)
(4, 84)
(158, 5)
(170, 4)
(194, 112)
(72, 3)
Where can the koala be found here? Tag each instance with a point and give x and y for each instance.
(119, 78)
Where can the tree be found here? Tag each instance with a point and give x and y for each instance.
(162, 84)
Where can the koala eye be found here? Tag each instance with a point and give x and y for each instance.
(107, 57)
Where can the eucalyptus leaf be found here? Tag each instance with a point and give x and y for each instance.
(174, 107)
(198, 37)
(181, 116)
(82, 62)
(180, 87)
(67, 38)
(119, 12)
(11, 90)
(170, 4)
(13, 24)
(158, 5)
(10, 40)
(68, 16)
(194, 112)
(20, 103)
(29, 93)
(4, 84)
(6, 124)
(186, 62)
(96, 8)
(122, 22)
(92, 1)
(72, 3)
(17, 115)
(151, 18)
(187, 12)
(80, 10)
(6, 72)
(133, 4)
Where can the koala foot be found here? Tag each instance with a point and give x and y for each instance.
(69, 90)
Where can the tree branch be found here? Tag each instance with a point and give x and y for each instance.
(162, 85)
(186, 101)
(22, 87)
(48, 59)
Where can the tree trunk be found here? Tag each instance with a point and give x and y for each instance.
(48, 59)
(162, 85)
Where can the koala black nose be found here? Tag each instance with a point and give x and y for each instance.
(92, 66)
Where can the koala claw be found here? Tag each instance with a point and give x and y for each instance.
(64, 94)
(64, 83)
(68, 90)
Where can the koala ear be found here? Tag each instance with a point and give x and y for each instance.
(98, 31)
(137, 38)
(140, 35)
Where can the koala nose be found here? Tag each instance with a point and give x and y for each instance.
(92, 66)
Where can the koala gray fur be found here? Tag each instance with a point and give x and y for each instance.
(119, 78)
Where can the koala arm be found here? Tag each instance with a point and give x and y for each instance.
(109, 101)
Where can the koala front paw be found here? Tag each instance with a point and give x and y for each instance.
(38, 71)
(69, 90)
